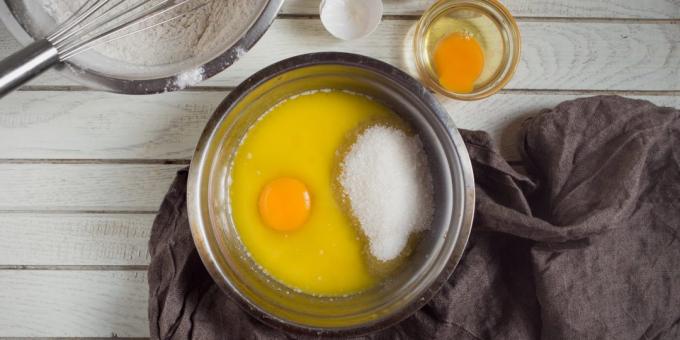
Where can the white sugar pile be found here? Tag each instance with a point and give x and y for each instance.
(386, 177)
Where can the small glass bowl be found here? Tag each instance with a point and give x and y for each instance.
(489, 22)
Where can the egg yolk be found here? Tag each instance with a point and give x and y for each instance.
(458, 61)
(284, 204)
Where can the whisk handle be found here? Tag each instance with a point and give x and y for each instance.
(22, 66)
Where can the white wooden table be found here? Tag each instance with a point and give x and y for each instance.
(82, 173)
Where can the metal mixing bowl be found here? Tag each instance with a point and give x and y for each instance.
(436, 254)
(27, 20)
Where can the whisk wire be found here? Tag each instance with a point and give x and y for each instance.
(84, 24)
(85, 11)
(106, 41)
(94, 23)
(68, 51)
(80, 36)
(108, 36)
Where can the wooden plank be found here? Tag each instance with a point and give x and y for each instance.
(556, 55)
(74, 239)
(95, 125)
(529, 8)
(99, 187)
(73, 303)
(88, 124)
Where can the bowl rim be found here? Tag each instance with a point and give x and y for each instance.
(443, 6)
(196, 176)
(99, 81)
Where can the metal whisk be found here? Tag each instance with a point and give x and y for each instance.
(95, 23)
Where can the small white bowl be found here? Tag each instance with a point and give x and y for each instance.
(350, 19)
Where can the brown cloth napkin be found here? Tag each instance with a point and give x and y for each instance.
(584, 247)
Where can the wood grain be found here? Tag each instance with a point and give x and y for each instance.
(87, 124)
(74, 239)
(100, 187)
(555, 55)
(98, 125)
(529, 8)
(73, 303)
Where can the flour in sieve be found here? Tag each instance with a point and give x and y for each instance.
(198, 33)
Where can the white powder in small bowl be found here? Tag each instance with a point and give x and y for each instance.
(387, 180)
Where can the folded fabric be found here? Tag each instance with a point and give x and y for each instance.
(585, 246)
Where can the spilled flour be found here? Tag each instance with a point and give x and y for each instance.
(189, 78)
